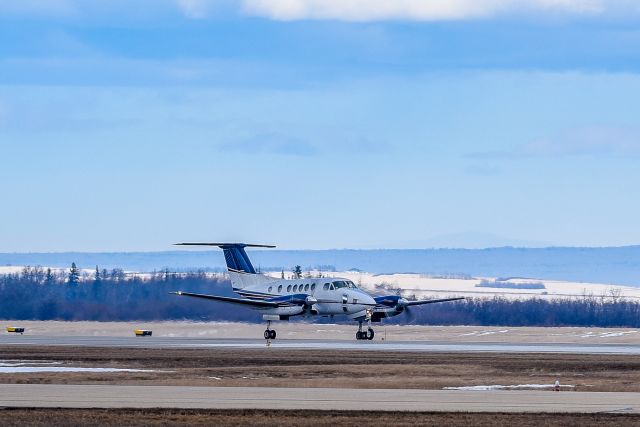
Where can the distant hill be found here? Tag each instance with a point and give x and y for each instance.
(615, 265)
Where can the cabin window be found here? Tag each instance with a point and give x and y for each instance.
(313, 286)
(326, 287)
(279, 288)
(306, 287)
(289, 288)
(270, 289)
(295, 288)
(339, 284)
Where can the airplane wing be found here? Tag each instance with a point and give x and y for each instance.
(431, 301)
(238, 301)
(386, 301)
(393, 305)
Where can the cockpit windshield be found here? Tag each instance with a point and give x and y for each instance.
(344, 284)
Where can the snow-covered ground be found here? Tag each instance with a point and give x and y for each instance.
(89, 273)
(30, 366)
(507, 387)
(423, 285)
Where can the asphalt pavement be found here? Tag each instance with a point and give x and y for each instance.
(118, 396)
(376, 345)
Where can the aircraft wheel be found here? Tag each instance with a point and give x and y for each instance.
(273, 335)
(267, 334)
(370, 334)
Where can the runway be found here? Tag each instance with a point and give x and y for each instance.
(114, 396)
(289, 344)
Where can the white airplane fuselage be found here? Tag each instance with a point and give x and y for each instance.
(323, 296)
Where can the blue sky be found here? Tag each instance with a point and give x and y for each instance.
(130, 125)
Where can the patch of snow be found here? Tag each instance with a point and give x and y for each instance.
(216, 378)
(615, 334)
(588, 335)
(591, 334)
(505, 387)
(9, 363)
(481, 333)
(32, 369)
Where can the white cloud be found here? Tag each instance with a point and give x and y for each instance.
(194, 9)
(421, 10)
(600, 141)
(596, 140)
(344, 10)
(272, 143)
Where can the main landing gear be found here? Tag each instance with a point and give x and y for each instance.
(269, 334)
(364, 335)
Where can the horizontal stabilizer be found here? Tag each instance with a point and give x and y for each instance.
(238, 262)
(227, 245)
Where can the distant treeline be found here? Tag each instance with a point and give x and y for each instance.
(38, 294)
(110, 295)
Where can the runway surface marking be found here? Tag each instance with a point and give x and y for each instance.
(115, 396)
(243, 343)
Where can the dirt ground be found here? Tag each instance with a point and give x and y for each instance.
(181, 417)
(328, 368)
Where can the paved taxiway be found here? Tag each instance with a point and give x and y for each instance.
(114, 396)
(244, 343)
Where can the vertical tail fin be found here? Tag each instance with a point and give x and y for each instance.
(240, 269)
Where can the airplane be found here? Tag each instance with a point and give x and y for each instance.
(281, 299)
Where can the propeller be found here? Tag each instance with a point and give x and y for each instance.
(403, 306)
(411, 316)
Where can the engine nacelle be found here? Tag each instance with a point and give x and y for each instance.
(285, 311)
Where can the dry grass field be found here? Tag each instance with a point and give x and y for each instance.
(317, 368)
(182, 417)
